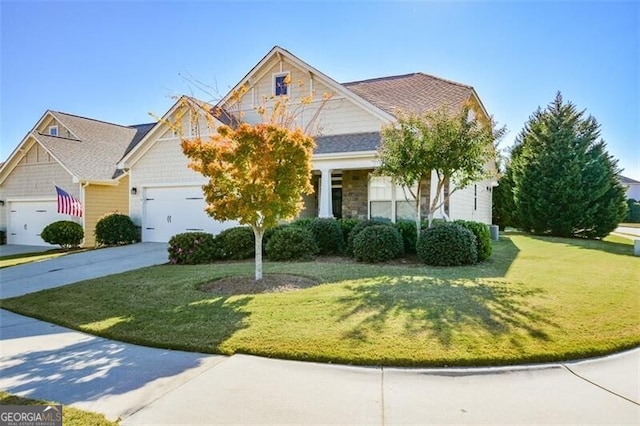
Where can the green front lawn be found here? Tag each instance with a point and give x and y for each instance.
(70, 416)
(536, 299)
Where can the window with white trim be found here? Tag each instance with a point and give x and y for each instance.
(53, 130)
(390, 201)
(281, 84)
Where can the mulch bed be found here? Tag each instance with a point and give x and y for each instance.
(270, 283)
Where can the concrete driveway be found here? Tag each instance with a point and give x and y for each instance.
(35, 276)
(147, 386)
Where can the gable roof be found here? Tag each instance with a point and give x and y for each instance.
(627, 181)
(417, 92)
(91, 151)
(331, 83)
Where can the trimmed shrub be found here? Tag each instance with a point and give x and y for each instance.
(448, 244)
(328, 235)
(483, 237)
(347, 225)
(64, 233)
(291, 243)
(303, 222)
(116, 229)
(407, 229)
(633, 214)
(237, 243)
(357, 229)
(377, 243)
(191, 248)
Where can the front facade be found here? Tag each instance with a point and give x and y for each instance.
(78, 155)
(152, 181)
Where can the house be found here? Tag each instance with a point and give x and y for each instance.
(632, 186)
(142, 170)
(166, 196)
(75, 153)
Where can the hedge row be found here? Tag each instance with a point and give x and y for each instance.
(462, 242)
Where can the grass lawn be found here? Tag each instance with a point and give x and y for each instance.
(17, 259)
(70, 416)
(537, 299)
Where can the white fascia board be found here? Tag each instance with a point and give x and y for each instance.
(347, 160)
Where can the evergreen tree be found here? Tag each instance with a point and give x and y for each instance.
(564, 181)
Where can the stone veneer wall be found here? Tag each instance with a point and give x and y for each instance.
(355, 193)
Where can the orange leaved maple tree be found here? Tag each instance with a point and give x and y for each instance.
(257, 174)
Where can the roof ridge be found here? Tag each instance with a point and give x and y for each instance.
(393, 77)
(91, 119)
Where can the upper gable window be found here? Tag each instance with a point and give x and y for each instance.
(281, 84)
(53, 130)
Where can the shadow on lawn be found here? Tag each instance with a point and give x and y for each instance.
(442, 306)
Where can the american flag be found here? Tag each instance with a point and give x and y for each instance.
(67, 204)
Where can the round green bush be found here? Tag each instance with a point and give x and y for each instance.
(116, 229)
(191, 248)
(347, 224)
(483, 237)
(448, 244)
(328, 235)
(357, 229)
(633, 212)
(237, 243)
(64, 233)
(377, 243)
(291, 243)
(407, 229)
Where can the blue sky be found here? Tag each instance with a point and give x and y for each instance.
(118, 61)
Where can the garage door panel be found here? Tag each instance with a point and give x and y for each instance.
(174, 210)
(27, 219)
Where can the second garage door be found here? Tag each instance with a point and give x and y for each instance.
(174, 210)
(27, 219)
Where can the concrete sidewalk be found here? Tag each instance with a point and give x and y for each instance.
(146, 386)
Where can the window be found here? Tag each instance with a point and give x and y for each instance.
(53, 130)
(281, 84)
(388, 201)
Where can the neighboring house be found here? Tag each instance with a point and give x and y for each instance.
(632, 186)
(168, 198)
(79, 155)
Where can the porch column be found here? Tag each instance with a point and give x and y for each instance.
(326, 209)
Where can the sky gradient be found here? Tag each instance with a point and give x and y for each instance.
(118, 61)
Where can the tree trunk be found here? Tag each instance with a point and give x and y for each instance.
(258, 233)
(418, 195)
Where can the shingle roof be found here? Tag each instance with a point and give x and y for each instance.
(96, 148)
(626, 180)
(352, 142)
(416, 92)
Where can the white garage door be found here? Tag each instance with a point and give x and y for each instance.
(174, 210)
(27, 219)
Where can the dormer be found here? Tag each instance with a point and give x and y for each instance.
(52, 126)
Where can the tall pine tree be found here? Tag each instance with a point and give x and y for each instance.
(564, 181)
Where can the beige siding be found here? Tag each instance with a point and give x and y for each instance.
(101, 200)
(34, 180)
(163, 164)
(462, 203)
(339, 116)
